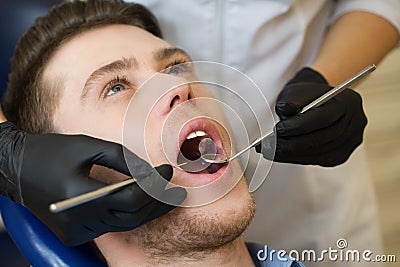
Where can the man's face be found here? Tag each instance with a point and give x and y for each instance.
(99, 72)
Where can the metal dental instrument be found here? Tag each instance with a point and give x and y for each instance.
(81, 199)
(211, 158)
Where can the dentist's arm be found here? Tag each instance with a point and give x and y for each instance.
(37, 170)
(327, 135)
(355, 40)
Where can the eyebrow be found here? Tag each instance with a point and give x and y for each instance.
(166, 53)
(117, 65)
(125, 64)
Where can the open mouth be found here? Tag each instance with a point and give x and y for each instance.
(199, 139)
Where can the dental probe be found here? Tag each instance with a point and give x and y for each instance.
(211, 158)
(81, 199)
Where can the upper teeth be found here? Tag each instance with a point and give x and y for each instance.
(196, 134)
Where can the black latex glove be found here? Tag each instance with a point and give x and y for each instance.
(37, 170)
(325, 135)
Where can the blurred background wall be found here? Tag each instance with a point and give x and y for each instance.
(381, 95)
(15, 18)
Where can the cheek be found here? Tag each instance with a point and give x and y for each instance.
(103, 123)
(65, 119)
(153, 142)
(108, 126)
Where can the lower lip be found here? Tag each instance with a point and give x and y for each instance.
(206, 178)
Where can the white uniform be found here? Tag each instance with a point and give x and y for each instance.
(298, 207)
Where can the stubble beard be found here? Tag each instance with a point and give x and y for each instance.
(186, 236)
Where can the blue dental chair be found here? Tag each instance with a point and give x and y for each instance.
(35, 241)
(38, 244)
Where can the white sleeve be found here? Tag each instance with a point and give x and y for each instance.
(388, 9)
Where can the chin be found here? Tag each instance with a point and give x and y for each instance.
(232, 201)
(185, 231)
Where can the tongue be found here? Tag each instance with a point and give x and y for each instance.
(213, 168)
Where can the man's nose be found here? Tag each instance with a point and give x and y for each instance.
(175, 97)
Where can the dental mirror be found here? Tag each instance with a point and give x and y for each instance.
(191, 153)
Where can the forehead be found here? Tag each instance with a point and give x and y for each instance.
(84, 53)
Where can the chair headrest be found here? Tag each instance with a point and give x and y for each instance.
(38, 244)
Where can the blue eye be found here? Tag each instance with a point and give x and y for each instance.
(117, 85)
(176, 70)
(179, 67)
(115, 89)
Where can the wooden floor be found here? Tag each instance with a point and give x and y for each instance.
(381, 94)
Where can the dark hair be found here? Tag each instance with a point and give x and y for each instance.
(29, 101)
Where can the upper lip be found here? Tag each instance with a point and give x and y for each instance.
(201, 124)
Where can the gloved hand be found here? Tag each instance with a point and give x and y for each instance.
(324, 135)
(37, 170)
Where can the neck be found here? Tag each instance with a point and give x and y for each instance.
(234, 253)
